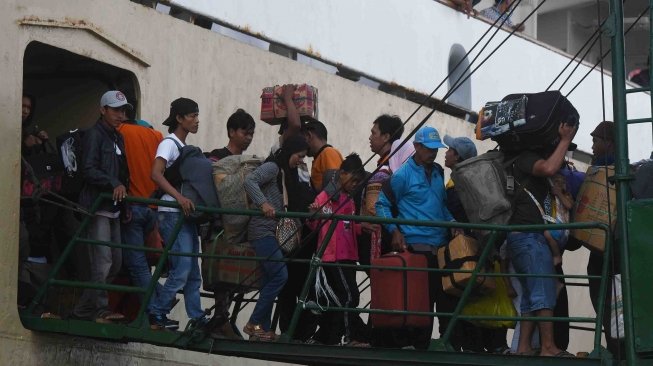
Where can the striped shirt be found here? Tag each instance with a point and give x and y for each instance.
(261, 187)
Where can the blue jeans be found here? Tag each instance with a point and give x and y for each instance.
(275, 275)
(184, 272)
(530, 254)
(134, 233)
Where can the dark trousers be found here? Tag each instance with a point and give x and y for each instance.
(334, 325)
(561, 329)
(594, 266)
(444, 303)
(287, 299)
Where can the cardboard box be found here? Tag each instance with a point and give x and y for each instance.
(596, 202)
(273, 109)
(462, 253)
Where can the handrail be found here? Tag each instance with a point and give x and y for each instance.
(315, 263)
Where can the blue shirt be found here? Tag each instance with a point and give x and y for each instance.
(417, 199)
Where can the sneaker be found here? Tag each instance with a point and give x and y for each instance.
(257, 333)
(200, 322)
(225, 331)
(161, 322)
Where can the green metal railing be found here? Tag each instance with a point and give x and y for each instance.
(637, 348)
(139, 329)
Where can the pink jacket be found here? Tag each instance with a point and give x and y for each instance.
(343, 244)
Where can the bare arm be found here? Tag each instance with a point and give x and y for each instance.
(158, 167)
(294, 122)
(548, 167)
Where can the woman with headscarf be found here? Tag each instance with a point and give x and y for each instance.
(264, 186)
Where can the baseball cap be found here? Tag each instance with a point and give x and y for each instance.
(181, 107)
(429, 137)
(604, 130)
(463, 146)
(114, 99)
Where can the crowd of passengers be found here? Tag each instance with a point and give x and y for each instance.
(124, 157)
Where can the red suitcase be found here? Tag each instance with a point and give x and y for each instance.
(400, 290)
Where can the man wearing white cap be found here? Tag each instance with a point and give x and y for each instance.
(104, 168)
(418, 190)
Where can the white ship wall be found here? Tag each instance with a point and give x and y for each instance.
(408, 43)
(184, 60)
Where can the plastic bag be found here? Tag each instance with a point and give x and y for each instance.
(616, 309)
(496, 303)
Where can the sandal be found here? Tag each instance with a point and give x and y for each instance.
(257, 333)
(564, 354)
(357, 344)
(109, 317)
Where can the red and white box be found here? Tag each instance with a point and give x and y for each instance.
(273, 109)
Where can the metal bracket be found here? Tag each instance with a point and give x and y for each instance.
(609, 27)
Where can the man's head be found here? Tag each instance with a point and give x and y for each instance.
(240, 129)
(460, 149)
(427, 142)
(385, 130)
(27, 108)
(184, 114)
(603, 140)
(351, 173)
(316, 136)
(113, 108)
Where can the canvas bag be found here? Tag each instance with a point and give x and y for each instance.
(229, 180)
(462, 252)
(244, 275)
(484, 187)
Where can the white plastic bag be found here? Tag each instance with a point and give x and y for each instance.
(616, 309)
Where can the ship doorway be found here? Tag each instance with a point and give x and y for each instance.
(67, 87)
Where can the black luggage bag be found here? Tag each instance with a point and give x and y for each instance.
(544, 113)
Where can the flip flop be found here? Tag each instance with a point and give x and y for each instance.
(564, 354)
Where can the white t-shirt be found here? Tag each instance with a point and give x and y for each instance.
(168, 151)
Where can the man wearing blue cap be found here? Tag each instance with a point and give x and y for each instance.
(419, 194)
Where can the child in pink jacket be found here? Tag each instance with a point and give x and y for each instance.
(335, 286)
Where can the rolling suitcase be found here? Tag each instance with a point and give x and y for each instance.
(400, 290)
(526, 121)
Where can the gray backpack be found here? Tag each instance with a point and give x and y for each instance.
(485, 189)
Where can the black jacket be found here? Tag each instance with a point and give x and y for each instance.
(102, 168)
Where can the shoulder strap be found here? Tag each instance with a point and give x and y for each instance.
(439, 169)
(284, 191)
(320, 150)
(545, 217)
(175, 141)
